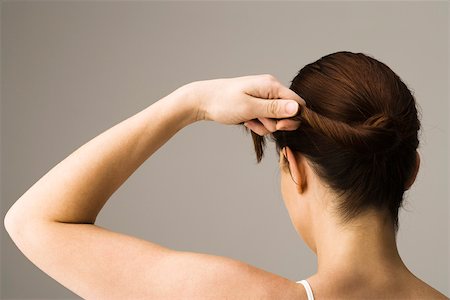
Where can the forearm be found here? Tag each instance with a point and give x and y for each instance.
(75, 190)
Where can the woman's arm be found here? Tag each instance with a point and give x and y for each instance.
(53, 222)
(76, 189)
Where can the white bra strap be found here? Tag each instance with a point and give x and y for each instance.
(308, 289)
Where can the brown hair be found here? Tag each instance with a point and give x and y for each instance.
(358, 130)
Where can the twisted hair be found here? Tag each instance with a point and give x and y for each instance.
(359, 131)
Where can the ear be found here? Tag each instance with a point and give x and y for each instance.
(411, 180)
(296, 168)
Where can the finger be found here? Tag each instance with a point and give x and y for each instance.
(270, 124)
(277, 90)
(269, 87)
(287, 124)
(257, 127)
(260, 86)
(274, 108)
(284, 92)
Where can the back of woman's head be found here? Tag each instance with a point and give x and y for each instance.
(358, 131)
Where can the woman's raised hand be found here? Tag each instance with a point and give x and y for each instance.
(258, 101)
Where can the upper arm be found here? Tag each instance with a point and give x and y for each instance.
(96, 263)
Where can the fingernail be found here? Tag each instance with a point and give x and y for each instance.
(291, 107)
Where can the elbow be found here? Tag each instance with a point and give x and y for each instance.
(10, 223)
(20, 228)
(14, 223)
(26, 231)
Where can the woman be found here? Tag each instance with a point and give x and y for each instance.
(347, 155)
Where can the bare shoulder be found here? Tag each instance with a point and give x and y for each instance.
(402, 285)
(422, 290)
(222, 277)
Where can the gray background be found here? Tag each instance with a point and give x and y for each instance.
(72, 70)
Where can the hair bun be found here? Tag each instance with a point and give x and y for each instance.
(381, 133)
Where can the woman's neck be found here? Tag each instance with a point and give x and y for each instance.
(357, 250)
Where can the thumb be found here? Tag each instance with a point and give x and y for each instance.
(275, 108)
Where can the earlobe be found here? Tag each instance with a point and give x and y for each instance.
(296, 168)
(411, 180)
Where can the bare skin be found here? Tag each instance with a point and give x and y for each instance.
(53, 223)
(356, 260)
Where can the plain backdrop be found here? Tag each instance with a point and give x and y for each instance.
(70, 70)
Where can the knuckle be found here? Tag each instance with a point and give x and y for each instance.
(272, 108)
(270, 77)
(289, 125)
